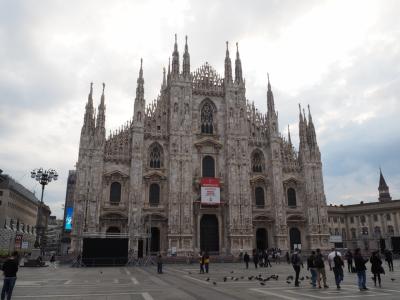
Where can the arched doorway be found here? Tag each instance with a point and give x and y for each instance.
(295, 238)
(261, 239)
(155, 239)
(209, 233)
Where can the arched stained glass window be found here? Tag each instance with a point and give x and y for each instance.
(259, 195)
(155, 157)
(257, 162)
(154, 194)
(291, 197)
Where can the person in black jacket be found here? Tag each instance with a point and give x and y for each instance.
(359, 263)
(255, 258)
(376, 267)
(246, 259)
(311, 267)
(389, 259)
(10, 269)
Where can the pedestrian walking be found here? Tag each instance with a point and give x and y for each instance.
(53, 261)
(389, 259)
(337, 267)
(359, 263)
(376, 267)
(159, 263)
(287, 257)
(320, 265)
(255, 258)
(296, 263)
(349, 257)
(10, 269)
(246, 259)
(201, 262)
(206, 261)
(311, 267)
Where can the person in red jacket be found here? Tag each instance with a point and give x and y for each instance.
(10, 269)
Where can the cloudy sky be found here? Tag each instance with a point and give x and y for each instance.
(341, 57)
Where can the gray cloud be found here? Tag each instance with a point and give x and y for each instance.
(51, 51)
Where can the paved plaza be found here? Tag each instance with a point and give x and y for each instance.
(185, 282)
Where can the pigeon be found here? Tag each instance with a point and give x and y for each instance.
(101, 272)
(392, 279)
(266, 279)
(236, 279)
(232, 277)
(231, 272)
(214, 283)
(225, 279)
(241, 277)
(302, 278)
(208, 279)
(290, 277)
(262, 283)
(288, 282)
(251, 277)
(189, 273)
(307, 277)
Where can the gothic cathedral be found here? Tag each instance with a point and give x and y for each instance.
(145, 181)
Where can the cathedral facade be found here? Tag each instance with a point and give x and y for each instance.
(199, 169)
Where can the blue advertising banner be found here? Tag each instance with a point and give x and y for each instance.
(68, 218)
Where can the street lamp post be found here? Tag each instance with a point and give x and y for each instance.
(43, 177)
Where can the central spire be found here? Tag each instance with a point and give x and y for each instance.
(175, 58)
(140, 83)
(238, 66)
(270, 97)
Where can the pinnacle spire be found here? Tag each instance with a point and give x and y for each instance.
(164, 81)
(175, 58)
(383, 188)
(312, 138)
(289, 138)
(228, 65)
(101, 117)
(270, 98)
(89, 117)
(140, 84)
(186, 60)
(238, 66)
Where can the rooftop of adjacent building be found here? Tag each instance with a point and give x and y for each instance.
(7, 182)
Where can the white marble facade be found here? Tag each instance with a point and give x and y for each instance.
(200, 125)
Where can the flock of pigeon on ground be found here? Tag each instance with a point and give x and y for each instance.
(262, 280)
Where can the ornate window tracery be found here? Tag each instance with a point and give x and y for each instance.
(257, 162)
(155, 157)
(207, 118)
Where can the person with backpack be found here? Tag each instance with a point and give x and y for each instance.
(296, 263)
(336, 264)
(376, 267)
(360, 267)
(320, 265)
(312, 269)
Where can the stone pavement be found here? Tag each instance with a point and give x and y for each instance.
(185, 282)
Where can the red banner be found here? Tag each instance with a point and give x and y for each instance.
(18, 241)
(209, 181)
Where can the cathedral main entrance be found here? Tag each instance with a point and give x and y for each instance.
(295, 238)
(209, 234)
(261, 239)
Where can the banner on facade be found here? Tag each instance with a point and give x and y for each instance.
(68, 218)
(18, 241)
(210, 191)
(335, 239)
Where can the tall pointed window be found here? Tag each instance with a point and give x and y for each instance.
(257, 162)
(259, 195)
(208, 166)
(291, 197)
(207, 125)
(154, 194)
(155, 156)
(115, 193)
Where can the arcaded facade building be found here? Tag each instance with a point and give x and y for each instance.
(370, 226)
(145, 181)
